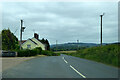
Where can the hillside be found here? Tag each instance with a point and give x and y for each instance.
(72, 46)
(107, 54)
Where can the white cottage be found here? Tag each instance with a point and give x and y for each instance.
(33, 43)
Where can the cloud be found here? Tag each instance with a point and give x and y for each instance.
(62, 21)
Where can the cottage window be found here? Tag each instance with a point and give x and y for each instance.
(28, 46)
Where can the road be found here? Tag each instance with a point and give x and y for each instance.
(60, 67)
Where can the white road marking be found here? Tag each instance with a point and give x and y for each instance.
(74, 69)
(65, 60)
(77, 72)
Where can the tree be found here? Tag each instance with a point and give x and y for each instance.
(48, 45)
(46, 42)
(9, 40)
(43, 40)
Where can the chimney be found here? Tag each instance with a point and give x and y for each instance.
(36, 35)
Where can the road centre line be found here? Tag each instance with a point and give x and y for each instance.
(77, 71)
(74, 69)
(65, 60)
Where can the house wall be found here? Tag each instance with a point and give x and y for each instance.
(39, 43)
(28, 42)
(33, 45)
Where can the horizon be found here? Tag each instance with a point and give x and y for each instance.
(85, 43)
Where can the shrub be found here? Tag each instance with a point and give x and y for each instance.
(34, 52)
(38, 50)
(27, 52)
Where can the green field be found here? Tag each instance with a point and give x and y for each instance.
(107, 54)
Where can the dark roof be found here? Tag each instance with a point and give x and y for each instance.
(33, 41)
(40, 41)
(22, 41)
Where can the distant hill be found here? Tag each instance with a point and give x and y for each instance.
(73, 46)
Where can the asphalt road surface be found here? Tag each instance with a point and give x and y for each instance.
(60, 67)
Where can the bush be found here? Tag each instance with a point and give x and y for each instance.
(27, 52)
(34, 52)
(38, 50)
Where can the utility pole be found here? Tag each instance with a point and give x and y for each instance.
(78, 45)
(101, 27)
(21, 30)
(56, 45)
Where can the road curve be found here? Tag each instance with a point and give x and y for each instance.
(60, 67)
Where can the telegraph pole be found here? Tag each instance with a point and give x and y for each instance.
(78, 45)
(101, 27)
(56, 45)
(21, 30)
(21, 33)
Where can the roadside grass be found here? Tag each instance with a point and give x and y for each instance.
(107, 54)
(49, 53)
(40, 55)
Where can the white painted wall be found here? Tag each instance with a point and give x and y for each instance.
(28, 42)
(33, 45)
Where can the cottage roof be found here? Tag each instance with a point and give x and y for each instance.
(33, 41)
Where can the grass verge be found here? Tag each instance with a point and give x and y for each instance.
(108, 54)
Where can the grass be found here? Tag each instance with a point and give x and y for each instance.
(40, 55)
(107, 54)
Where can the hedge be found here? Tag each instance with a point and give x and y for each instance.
(34, 52)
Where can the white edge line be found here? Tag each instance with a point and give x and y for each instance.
(77, 72)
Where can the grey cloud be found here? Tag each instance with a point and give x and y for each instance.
(62, 21)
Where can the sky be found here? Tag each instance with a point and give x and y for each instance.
(62, 21)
